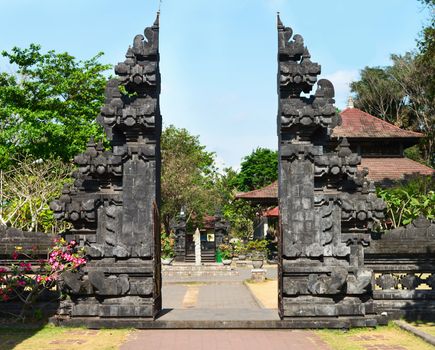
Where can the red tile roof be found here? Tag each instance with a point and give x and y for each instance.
(358, 124)
(267, 192)
(274, 212)
(380, 169)
(393, 168)
(208, 221)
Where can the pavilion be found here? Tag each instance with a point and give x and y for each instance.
(381, 146)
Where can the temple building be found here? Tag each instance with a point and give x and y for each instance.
(381, 146)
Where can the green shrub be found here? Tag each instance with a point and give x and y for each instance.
(407, 201)
(226, 251)
(258, 248)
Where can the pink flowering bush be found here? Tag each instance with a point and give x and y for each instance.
(26, 279)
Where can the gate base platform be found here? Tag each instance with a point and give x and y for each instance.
(221, 319)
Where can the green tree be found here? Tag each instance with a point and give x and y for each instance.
(411, 73)
(48, 108)
(425, 60)
(240, 213)
(188, 177)
(258, 169)
(378, 93)
(426, 42)
(404, 93)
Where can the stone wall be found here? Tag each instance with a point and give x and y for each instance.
(403, 262)
(11, 238)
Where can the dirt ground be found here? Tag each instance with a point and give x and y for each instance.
(265, 292)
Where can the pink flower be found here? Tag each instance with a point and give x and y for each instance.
(3, 270)
(15, 255)
(26, 266)
(21, 283)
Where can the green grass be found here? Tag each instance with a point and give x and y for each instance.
(360, 338)
(51, 337)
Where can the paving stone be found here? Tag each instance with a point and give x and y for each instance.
(223, 340)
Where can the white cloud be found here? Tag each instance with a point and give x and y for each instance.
(341, 80)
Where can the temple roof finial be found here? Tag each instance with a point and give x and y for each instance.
(278, 21)
(350, 103)
(157, 21)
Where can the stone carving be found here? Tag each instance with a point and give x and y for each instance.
(327, 207)
(327, 284)
(221, 228)
(406, 280)
(430, 281)
(359, 282)
(113, 204)
(387, 281)
(410, 281)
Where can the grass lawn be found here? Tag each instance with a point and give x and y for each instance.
(50, 338)
(390, 336)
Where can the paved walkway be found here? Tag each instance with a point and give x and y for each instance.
(224, 340)
(212, 295)
(218, 298)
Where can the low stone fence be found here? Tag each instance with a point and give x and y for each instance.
(403, 261)
(190, 270)
(37, 244)
(12, 239)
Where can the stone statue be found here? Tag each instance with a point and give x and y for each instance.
(180, 238)
(197, 240)
(221, 228)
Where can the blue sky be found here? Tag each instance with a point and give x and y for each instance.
(218, 58)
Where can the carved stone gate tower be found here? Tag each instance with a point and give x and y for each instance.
(113, 204)
(327, 208)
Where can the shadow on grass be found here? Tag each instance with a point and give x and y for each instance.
(13, 334)
(14, 331)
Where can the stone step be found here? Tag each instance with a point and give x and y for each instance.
(190, 269)
(221, 319)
